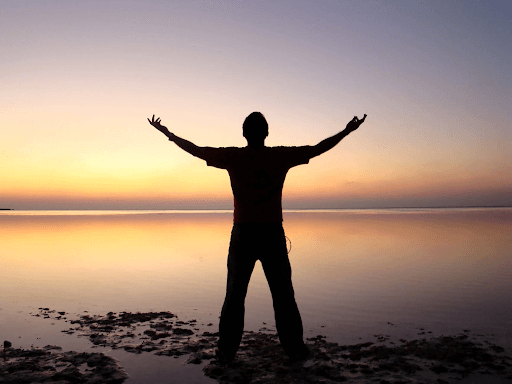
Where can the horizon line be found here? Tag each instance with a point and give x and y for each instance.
(284, 209)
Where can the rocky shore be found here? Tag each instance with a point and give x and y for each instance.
(441, 359)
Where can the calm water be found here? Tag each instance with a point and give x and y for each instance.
(354, 271)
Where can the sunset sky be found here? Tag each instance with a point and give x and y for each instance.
(79, 78)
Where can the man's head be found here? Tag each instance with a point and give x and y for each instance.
(255, 127)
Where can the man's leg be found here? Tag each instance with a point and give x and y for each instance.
(240, 266)
(279, 276)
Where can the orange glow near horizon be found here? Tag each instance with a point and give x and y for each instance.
(197, 182)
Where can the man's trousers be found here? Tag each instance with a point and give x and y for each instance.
(265, 242)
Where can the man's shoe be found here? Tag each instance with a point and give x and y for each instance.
(301, 353)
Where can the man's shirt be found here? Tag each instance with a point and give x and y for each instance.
(257, 178)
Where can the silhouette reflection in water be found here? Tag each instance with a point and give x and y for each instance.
(257, 175)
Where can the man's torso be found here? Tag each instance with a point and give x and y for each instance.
(257, 178)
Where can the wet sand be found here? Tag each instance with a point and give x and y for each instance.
(463, 357)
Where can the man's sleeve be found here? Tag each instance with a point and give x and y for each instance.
(294, 156)
(217, 157)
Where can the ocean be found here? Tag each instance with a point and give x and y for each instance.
(356, 273)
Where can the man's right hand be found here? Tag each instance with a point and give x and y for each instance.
(157, 125)
(355, 123)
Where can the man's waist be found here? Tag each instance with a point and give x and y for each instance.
(261, 213)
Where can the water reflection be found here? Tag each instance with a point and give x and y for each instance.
(349, 268)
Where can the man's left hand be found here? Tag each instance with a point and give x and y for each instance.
(355, 123)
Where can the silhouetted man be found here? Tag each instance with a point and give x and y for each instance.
(257, 175)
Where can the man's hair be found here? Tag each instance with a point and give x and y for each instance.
(255, 125)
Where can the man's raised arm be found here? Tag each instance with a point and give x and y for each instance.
(186, 145)
(330, 142)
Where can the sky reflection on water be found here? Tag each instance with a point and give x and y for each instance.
(353, 271)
